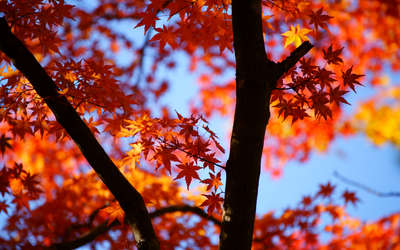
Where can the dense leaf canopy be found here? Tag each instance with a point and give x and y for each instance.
(114, 61)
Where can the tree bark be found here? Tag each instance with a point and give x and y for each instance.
(128, 197)
(256, 77)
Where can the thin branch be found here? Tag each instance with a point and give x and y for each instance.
(185, 209)
(86, 238)
(364, 187)
(106, 226)
(141, 59)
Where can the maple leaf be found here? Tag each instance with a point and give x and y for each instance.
(285, 107)
(306, 67)
(114, 212)
(350, 79)
(213, 202)
(20, 201)
(296, 35)
(324, 77)
(31, 183)
(333, 56)
(188, 172)
(307, 200)
(336, 95)
(210, 161)
(326, 190)
(4, 181)
(320, 100)
(350, 197)
(319, 20)
(4, 143)
(3, 207)
(148, 20)
(213, 182)
(165, 36)
(299, 113)
(165, 156)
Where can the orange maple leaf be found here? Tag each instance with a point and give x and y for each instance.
(114, 212)
(213, 182)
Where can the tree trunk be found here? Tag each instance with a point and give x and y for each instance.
(256, 77)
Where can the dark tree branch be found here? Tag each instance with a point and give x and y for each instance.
(105, 226)
(294, 57)
(364, 187)
(86, 238)
(128, 197)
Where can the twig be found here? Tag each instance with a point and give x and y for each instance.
(364, 187)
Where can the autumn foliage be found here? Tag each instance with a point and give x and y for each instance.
(113, 62)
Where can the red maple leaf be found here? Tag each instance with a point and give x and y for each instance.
(324, 77)
(319, 105)
(350, 197)
(306, 67)
(148, 20)
(4, 181)
(350, 79)
(319, 20)
(213, 202)
(326, 190)
(164, 157)
(31, 183)
(3, 207)
(336, 96)
(210, 161)
(4, 143)
(21, 201)
(333, 56)
(307, 200)
(188, 172)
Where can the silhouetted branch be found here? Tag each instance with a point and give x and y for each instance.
(105, 226)
(294, 57)
(364, 187)
(185, 209)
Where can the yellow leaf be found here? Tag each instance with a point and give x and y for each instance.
(295, 35)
